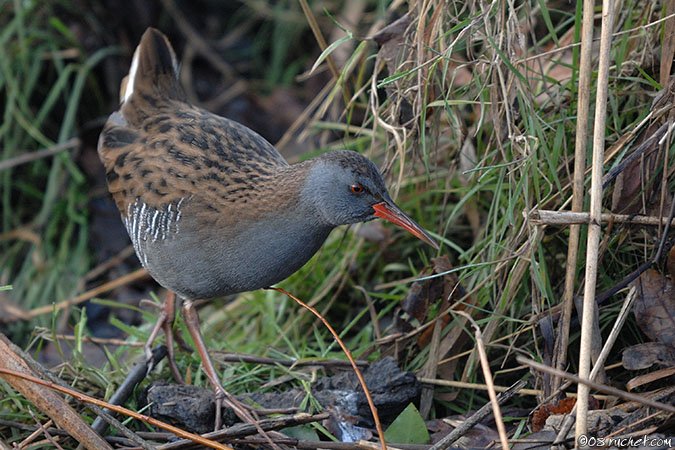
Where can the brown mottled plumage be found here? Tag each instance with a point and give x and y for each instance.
(211, 207)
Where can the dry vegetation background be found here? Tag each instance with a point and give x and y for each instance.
(470, 108)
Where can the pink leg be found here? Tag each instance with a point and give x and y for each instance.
(242, 411)
(165, 322)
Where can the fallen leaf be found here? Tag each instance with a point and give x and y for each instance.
(643, 356)
(655, 306)
(408, 428)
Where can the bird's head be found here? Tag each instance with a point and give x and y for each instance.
(347, 188)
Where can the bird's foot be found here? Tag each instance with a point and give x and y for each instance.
(244, 412)
(165, 323)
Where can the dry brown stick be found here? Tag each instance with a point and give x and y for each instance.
(547, 217)
(583, 107)
(594, 228)
(16, 371)
(476, 417)
(476, 386)
(46, 334)
(242, 357)
(357, 371)
(9, 374)
(247, 429)
(597, 386)
(105, 287)
(39, 429)
(30, 156)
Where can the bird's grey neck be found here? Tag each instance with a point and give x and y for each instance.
(314, 190)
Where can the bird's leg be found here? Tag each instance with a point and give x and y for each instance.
(165, 322)
(244, 412)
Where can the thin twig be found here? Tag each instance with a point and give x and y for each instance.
(477, 386)
(242, 357)
(110, 263)
(246, 429)
(309, 445)
(30, 156)
(597, 386)
(105, 287)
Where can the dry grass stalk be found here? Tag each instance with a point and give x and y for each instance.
(594, 229)
(585, 72)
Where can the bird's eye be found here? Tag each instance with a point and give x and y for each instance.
(356, 188)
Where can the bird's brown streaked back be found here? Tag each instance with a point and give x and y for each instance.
(160, 150)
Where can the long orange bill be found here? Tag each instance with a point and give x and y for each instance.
(392, 213)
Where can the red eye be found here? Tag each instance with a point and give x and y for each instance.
(356, 188)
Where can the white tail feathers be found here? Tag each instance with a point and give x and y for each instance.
(154, 69)
(129, 80)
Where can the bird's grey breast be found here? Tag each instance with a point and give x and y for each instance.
(200, 261)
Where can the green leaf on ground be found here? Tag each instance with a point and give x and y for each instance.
(408, 428)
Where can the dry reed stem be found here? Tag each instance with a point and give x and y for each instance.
(355, 367)
(585, 72)
(604, 353)
(594, 229)
(16, 371)
(546, 217)
(318, 35)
